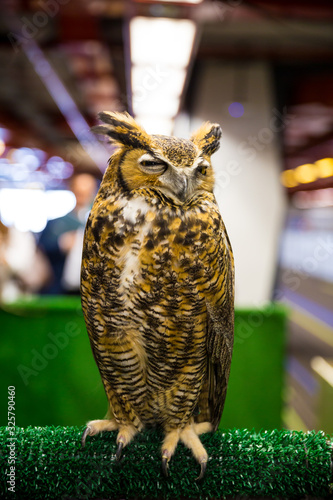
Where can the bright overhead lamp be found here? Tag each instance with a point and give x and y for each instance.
(325, 167)
(161, 41)
(155, 125)
(288, 178)
(161, 51)
(157, 103)
(305, 173)
(147, 80)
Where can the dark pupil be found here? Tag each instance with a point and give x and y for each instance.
(203, 170)
(150, 163)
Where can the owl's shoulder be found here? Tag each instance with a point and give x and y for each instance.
(205, 209)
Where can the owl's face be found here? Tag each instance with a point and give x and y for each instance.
(178, 168)
(174, 166)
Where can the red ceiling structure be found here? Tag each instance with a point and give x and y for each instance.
(85, 42)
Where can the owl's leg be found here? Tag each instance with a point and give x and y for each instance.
(96, 426)
(189, 436)
(125, 435)
(168, 448)
(202, 428)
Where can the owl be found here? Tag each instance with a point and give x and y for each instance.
(157, 287)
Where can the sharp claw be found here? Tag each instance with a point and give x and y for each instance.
(203, 466)
(165, 466)
(119, 449)
(84, 436)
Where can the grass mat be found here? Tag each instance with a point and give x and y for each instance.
(50, 464)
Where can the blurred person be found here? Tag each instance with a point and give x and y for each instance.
(62, 239)
(23, 269)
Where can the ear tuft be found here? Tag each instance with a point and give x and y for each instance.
(207, 138)
(122, 130)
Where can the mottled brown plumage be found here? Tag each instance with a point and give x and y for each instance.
(157, 287)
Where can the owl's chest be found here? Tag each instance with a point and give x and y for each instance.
(145, 245)
(152, 261)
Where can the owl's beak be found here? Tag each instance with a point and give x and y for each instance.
(176, 182)
(182, 185)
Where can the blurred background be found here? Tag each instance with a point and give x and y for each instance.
(263, 69)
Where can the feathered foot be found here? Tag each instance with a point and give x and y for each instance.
(96, 426)
(125, 434)
(168, 448)
(189, 436)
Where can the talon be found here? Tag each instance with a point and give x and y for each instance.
(203, 465)
(84, 436)
(119, 449)
(165, 466)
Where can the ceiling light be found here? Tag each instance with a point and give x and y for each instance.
(161, 41)
(161, 50)
(325, 167)
(288, 179)
(305, 173)
(156, 104)
(147, 80)
(154, 125)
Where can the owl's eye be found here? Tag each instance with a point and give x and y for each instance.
(149, 163)
(202, 169)
(152, 165)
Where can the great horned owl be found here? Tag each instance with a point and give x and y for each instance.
(157, 287)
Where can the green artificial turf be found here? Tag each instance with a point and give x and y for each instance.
(50, 464)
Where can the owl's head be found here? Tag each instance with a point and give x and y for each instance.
(178, 168)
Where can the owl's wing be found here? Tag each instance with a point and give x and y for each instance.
(220, 330)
